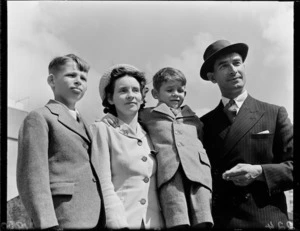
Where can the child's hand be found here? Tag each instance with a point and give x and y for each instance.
(110, 121)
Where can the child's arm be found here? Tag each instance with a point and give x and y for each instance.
(33, 171)
(114, 209)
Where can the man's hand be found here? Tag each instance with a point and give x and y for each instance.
(110, 121)
(243, 174)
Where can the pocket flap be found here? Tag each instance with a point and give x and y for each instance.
(62, 188)
(261, 136)
(204, 158)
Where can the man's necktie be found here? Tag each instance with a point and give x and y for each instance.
(231, 110)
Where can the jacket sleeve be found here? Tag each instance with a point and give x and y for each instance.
(33, 171)
(279, 174)
(114, 209)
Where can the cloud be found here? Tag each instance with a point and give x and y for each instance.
(202, 111)
(191, 58)
(31, 46)
(279, 31)
(278, 54)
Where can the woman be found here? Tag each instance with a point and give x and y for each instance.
(127, 167)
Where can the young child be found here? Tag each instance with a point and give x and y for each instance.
(183, 173)
(184, 176)
(57, 177)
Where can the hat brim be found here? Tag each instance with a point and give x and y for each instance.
(240, 48)
(105, 78)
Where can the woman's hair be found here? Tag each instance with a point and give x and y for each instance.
(57, 62)
(166, 74)
(116, 74)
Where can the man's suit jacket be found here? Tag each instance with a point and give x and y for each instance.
(177, 141)
(261, 204)
(57, 177)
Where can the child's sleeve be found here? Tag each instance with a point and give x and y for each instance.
(33, 171)
(199, 125)
(114, 209)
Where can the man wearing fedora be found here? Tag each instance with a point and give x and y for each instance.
(250, 146)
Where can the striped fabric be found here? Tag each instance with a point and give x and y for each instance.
(262, 135)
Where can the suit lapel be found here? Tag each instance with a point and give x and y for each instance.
(186, 111)
(219, 122)
(163, 108)
(66, 119)
(247, 117)
(87, 130)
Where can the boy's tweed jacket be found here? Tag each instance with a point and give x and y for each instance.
(177, 141)
(57, 177)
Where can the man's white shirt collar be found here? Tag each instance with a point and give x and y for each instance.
(238, 100)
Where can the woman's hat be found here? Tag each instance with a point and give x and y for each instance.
(217, 48)
(105, 78)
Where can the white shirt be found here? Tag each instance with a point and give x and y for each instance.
(73, 113)
(238, 100)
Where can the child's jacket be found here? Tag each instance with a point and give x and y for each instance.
(177, 140)
(57, 177)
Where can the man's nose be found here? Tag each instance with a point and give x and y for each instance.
(233, 69)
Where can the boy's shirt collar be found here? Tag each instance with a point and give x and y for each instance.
(73, 113)
(184, 110)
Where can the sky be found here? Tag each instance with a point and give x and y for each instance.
(149, 35)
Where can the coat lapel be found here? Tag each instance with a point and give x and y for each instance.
(219, 122)
(247, 117)
(163, 108)
(186, 111)
(67, 120)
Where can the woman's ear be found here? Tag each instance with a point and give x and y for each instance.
(109, 99)
(210, 76)
(154, 93)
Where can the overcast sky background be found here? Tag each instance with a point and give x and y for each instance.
(149, 35)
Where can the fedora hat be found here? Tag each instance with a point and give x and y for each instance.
(218, 48)
(105, 78)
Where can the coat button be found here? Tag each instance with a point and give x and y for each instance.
(85, 146)
(140, 142)
(144, 158)
(179, 144)
(143, 201)
(146, 179)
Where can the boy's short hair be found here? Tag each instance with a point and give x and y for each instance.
(59, 61)
(166, 74)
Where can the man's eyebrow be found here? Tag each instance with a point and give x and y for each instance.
(226, 61)
(222, 62)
